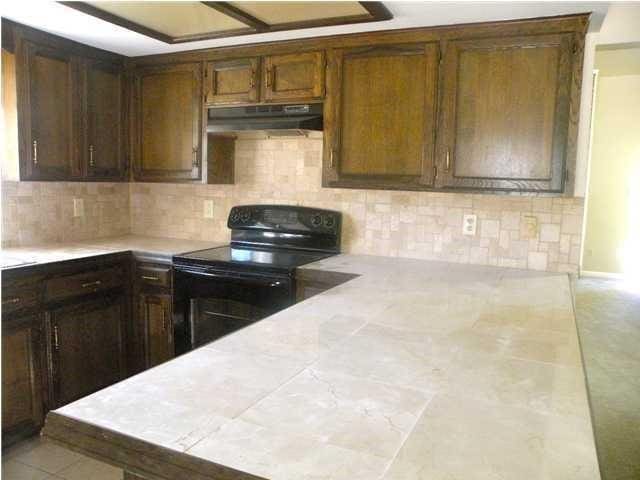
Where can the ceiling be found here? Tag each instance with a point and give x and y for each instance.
(68, 22)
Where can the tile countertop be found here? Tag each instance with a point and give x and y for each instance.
(414, 370)
(59, 252)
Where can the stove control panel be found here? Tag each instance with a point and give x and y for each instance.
(283, 218)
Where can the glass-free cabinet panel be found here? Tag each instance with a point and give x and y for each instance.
(232, 81)
(104, 142)
(505, 113)
(380, 117)
(293, 77)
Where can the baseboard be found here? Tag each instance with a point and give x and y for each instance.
(613, 276)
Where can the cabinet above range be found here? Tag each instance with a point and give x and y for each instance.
(294, 77)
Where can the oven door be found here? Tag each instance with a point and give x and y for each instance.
(211, 303)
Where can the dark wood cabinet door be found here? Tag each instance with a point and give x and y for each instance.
(155, 314)
(232, 81)
(293, 77)
(104, 156)
(505, 113)
(48, 103)
(22, 377)
(168, 123)
(380, 117)
(87, 347)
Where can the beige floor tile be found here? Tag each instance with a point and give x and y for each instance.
(90, 469)
(12, 470)
(48, 457)
(19, 448)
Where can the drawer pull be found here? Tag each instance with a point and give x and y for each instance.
(91, 284)
(146, 277)
(13, 300)
(56, 343)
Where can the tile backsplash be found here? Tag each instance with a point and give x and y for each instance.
(513, 231)
(38, 212)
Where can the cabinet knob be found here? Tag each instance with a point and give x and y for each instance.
(91, 161)
(35, 152)
(195, 157)
(448, 160)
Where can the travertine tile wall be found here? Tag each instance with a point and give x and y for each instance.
(407, 224)
(39, 212)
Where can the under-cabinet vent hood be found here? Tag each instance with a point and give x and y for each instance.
(294, 119)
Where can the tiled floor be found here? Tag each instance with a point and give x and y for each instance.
(608, 319)
(39, 460)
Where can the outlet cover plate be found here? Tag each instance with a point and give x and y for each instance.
(469, 224)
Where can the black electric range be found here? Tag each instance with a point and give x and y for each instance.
(220, 290)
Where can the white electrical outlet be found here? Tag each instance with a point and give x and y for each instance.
(208, 209)
(78, 207)
(469, 223)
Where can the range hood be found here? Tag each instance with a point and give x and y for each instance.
(275, 119)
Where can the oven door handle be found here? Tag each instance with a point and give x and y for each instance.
(269, 282)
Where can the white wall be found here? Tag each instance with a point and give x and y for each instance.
(621, 25)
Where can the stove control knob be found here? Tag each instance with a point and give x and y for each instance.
(329, 221)
(316, 220)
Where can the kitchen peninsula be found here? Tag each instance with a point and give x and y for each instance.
(413, 369)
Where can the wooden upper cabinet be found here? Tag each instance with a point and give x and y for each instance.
(293, 77)
(168, 123)
(104, 156)
(505, 113)
(232, 81)
(380, 117)
(48, 103)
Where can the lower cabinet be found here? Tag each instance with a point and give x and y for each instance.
(155, 318)
(22, 377)
(152, 341)
(87, 345)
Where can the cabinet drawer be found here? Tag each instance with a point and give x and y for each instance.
(18, 295)
(156, 275)
(82, 283)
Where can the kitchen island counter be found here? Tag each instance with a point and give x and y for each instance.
(412, 370)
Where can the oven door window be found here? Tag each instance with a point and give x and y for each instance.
(218, 305)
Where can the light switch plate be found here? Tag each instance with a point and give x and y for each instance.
(78, 207)
(208, 209)
(469, 224)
